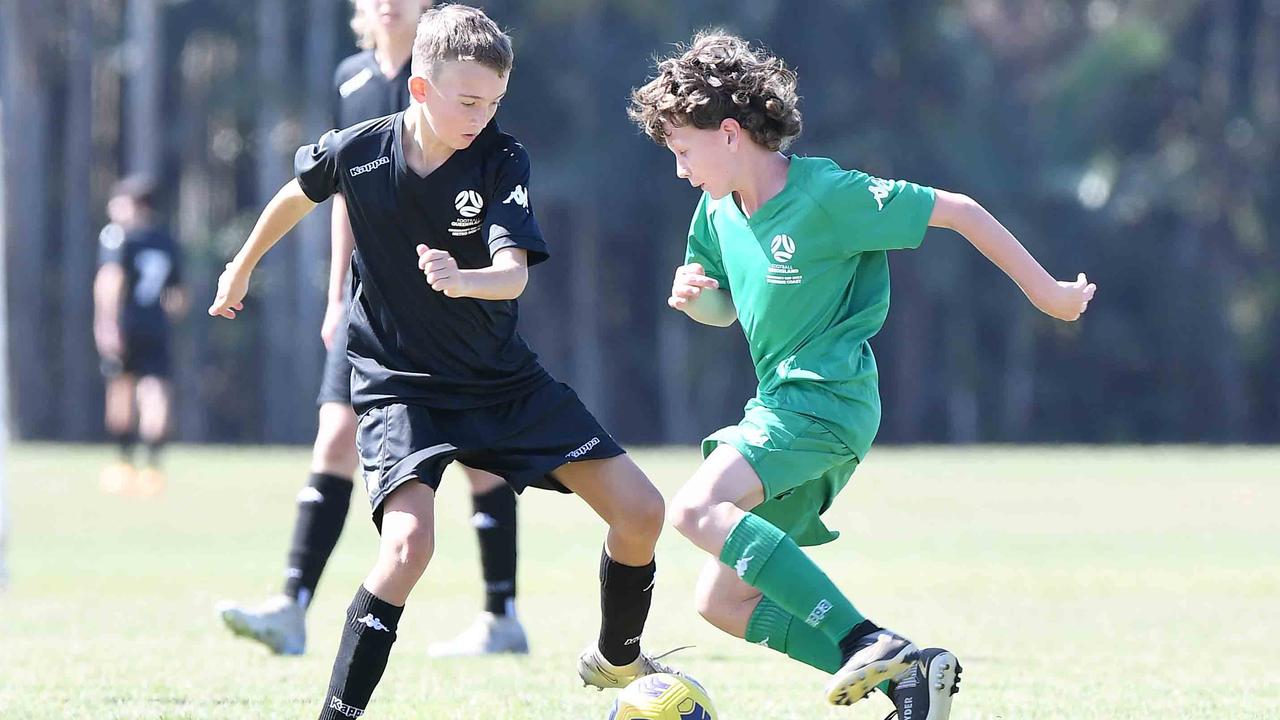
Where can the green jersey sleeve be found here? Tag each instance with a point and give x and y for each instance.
(704, 245)
(875, 214)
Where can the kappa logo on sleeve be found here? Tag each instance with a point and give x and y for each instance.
(519, 196)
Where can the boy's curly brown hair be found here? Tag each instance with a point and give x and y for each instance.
(719, 76)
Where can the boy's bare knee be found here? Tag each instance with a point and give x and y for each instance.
(686, 515)
(409, 551)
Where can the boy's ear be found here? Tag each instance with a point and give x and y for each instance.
(732, 132)
(418, 88)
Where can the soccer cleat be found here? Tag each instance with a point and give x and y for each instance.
(597, 672)
(878, 656)
(924, 691)
(279, 623)
(148, 483)
(489, 635)
(116, 478)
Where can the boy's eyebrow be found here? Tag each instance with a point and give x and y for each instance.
(480, 97)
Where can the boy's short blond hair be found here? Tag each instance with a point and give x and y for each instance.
(451, 32)
(719, 76)
(360, 26)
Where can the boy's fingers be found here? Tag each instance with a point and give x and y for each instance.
(702, 281)
(676, 302)
(421, 249)
(695, 268)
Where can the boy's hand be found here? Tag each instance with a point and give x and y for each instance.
(232, 288)
(441, 270)
(688, 285)
(1069, 300)
(334, 317)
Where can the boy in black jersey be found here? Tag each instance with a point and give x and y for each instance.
(444, 231)
(137, 292)
(371, 84)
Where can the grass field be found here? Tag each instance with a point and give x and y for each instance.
(1072, 582)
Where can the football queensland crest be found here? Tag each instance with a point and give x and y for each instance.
(663, 697)
(784, 248)
(468, 203)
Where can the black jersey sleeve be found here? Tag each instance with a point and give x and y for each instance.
(316, 167)
(510, 221)
(111, 245)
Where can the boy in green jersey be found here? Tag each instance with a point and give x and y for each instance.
(794, 249)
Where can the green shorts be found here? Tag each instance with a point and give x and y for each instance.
(802, 465)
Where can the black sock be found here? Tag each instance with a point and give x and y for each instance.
(362, 655)
(322, 510)
(495, 524)
(154, 448)
(851, 638)
(126, 442)
(625, 594)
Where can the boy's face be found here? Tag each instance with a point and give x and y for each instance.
(703, 157)
(460, 98)
(395, 16)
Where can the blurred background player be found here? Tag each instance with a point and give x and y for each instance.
(371, 84)
(136, 294)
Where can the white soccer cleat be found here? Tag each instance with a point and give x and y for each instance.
(600, 673)
(279, 623)
(878, 656)
(489, 635)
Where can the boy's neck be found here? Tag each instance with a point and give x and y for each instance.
(763, 177)
(392, 51)
(423, 150)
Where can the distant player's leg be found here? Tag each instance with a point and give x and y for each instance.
(279, 622)
(405, 549)
(153, 428)
(711, 510)
(496, 629)
(120, 423)
(633, 508)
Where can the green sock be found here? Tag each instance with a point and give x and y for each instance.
(771, 562)
(778, 629)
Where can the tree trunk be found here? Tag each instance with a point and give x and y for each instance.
(79, 370)
(275, 296)
(144, 68)
(26, 105)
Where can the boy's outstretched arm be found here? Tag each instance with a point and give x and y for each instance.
(700, 297)
(1062, 300)
(283, 212)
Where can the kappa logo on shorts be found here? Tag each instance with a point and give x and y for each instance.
(586, 448)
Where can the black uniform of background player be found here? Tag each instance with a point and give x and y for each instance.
(363, 92)
(151, 263)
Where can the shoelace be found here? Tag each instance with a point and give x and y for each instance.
(663, 667)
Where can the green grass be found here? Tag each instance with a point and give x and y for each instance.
(1074, 583)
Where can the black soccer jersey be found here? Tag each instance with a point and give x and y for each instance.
(364, 93)
(150, 259)
(407, 342)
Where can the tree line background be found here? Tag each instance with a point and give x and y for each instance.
(1135, 140)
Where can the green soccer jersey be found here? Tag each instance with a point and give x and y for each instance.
(809, 277)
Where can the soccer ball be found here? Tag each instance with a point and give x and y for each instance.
(663, 697)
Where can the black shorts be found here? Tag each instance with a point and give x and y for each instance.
(335, 384)
(143, 355)
(522, 441)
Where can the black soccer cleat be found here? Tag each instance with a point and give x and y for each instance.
(925, 690)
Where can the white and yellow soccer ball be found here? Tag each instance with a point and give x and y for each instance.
(663, 697)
